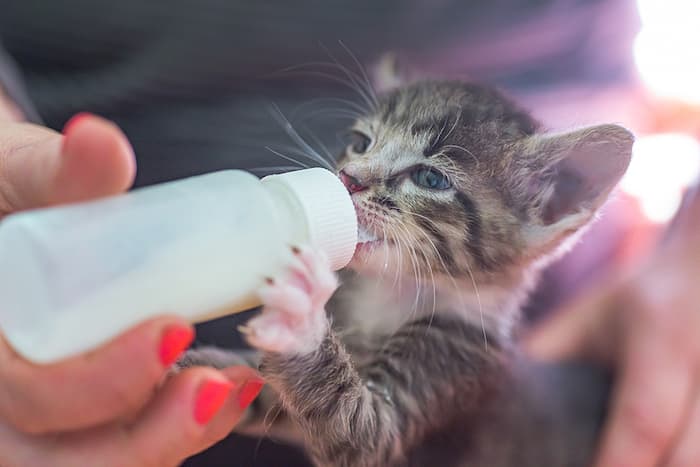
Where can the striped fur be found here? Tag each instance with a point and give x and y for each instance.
(372, 411)
(418, 367)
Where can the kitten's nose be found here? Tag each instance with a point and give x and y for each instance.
(352, 183)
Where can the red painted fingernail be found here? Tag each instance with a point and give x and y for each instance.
(210, 398)
(175, 340)
(249, 392)
(73, 121)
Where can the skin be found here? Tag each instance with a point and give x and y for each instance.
(647, 326)
(111, 406)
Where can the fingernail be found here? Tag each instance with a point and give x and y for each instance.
(210, 398)
(249, 392)
(296, 250)
(73, 121)
(175, 340)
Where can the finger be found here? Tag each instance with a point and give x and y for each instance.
(580, 330)
(648, 406)
(90, 389)
(688, 215)
(39, 167)
(686, 452)
(680, 246)
(193, 410)
(9, 112)
(190, 415)
(98, 161)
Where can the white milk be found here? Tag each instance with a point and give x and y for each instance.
(73, 277)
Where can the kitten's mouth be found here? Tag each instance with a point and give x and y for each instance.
(366, 239)
(365, 236)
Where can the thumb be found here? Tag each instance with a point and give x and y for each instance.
(39, 167)
(580, 330)
(686, 223)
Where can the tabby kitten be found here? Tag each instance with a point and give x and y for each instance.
(461, 199)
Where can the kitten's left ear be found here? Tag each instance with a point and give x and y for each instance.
(573, 175)
(386, 74)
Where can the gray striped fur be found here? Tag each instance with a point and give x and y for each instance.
(419, 366)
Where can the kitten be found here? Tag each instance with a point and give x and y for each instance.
(461, 200)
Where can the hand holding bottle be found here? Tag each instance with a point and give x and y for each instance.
(107, 406)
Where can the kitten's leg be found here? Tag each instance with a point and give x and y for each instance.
(217, 358)
(374, 414)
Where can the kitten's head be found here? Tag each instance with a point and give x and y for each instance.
(453, 178)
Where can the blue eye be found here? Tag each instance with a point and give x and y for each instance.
(359, 142)
(430, 178)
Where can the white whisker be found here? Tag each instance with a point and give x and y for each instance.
(454, 282)
(351, 106)
(356, 80)
(413, 241)
(462, 148)
(350, 84)
(454, 125)
(291, 159)
(363, 72)
(324, 148)
(273, 168)
(296, 137)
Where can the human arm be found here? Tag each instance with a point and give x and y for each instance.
(647, 326)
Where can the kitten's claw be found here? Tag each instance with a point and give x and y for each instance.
(293, 319)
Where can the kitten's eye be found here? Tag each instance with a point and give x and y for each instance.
(359, 142)
(430, 178)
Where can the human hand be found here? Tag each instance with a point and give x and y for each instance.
(111, 406)
(9, 112)
(648, 327)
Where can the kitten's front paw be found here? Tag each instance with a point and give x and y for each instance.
(293, 319)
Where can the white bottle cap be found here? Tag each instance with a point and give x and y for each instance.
(330, 212)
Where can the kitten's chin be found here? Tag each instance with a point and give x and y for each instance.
(367, 242)
(366, 236)
(371, 253)
(364, 252)
(374, 257)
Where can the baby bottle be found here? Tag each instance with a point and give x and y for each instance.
(73, 277)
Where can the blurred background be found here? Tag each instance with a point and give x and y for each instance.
(199, 86)
(659, 100)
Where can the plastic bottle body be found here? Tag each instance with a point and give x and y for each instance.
(73, 277)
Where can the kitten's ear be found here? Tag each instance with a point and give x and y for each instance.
(386, 74)
(573, 175)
